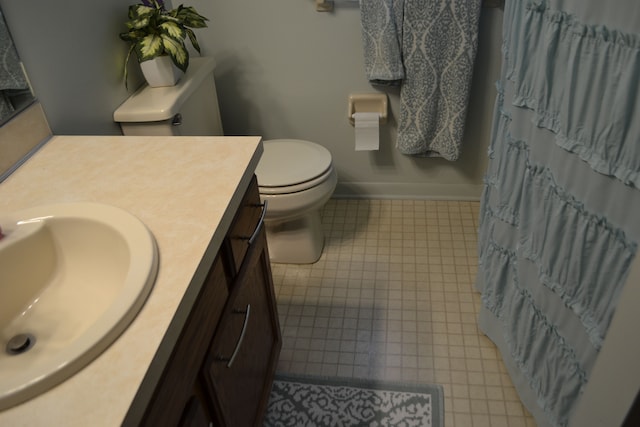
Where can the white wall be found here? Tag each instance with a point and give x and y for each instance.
(284, 71)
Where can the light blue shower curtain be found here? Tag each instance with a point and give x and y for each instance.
(559, 215)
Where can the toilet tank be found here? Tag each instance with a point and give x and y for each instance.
(188, 108)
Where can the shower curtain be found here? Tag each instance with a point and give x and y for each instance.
(559, 214)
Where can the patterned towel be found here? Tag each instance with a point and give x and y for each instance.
(11, 76)
(381, 39)
(437, 42)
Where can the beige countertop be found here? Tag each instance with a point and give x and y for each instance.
(185, 190)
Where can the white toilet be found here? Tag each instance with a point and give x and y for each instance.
(188, 108)
(296, 177)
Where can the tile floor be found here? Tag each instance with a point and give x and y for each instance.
(392, 298)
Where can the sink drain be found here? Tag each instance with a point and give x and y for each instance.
(20, 344)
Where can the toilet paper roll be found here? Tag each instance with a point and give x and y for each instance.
(367, 131)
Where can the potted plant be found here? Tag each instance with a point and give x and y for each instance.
(158, 38)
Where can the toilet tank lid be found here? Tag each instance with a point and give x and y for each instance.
(288, 162)
(154, 104)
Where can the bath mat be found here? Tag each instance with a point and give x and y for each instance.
(341, 402)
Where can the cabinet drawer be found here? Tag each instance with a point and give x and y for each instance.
(244, 225)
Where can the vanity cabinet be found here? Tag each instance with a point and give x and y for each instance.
(239, 369)
(221, 369)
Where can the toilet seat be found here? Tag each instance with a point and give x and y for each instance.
(292, 165)
(287, 189)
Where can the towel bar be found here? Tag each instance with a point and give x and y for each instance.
(327, 5)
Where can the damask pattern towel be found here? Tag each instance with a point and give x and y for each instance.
(437, 43)
(382, 40)
(11, 76)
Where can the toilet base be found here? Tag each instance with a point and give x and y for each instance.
(296, 241)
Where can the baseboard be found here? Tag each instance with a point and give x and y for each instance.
(404, 190)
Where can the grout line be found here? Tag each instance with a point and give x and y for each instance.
(393, 298)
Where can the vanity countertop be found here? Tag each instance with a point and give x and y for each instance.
(185, 190)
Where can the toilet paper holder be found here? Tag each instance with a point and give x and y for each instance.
(368, 103)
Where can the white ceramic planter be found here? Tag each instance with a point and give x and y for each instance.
(160, 72)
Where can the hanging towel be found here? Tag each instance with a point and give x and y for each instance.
(381, 39)
(437, 42)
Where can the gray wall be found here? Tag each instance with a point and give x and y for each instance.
(284, 71)
(74, 59)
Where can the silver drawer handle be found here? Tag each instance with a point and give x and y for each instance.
(255, 233)
(231, 359)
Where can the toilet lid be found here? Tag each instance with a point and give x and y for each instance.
(287, 162)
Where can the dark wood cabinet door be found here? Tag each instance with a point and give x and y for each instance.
(178, 388)
(222, 366)
(245, 350)
(195, 412)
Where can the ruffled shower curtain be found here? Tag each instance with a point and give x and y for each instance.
(559, 215)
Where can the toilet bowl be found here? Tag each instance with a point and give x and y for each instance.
(295, 178)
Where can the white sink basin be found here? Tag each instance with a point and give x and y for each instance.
(72, 278)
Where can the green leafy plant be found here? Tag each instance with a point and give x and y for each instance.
(154, 31)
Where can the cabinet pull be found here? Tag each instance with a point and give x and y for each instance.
(255, 233)
(230, 360)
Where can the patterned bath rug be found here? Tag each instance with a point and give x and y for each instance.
(303, 401)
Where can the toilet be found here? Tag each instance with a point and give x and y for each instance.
(190, 108)
(295, 177)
